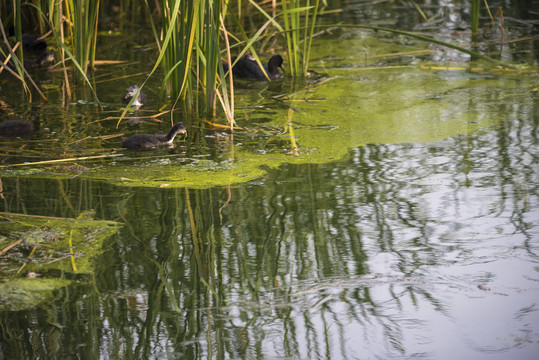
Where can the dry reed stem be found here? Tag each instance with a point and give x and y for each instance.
(10, 246)
(64, 160)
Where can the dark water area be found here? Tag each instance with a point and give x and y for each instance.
(405, 226)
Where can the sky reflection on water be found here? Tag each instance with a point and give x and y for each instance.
(430, 235)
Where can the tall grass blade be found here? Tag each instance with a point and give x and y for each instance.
(298, 17)
(19, 65)
(227, 105)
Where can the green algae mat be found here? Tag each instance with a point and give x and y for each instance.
(350, 107)
(39, 255)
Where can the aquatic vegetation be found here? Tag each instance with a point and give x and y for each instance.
(320, 126)
(37, 244)
(189, 50)
(26, 293)
(299, 24)
(191, 40)
(31, 246)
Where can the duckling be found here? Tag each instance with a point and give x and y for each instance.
(150, 141)
(246, 67)
(45, 58)
(43, 61)
(140, 100)
(16, 128)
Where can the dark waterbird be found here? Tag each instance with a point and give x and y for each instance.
(33, 42)
(36, 53)
(247, 68)
(132, 91)
(30, 41)
(16, 128)
(150, 141)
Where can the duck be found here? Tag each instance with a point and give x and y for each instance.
(247, 68)
(14, 128)
(140, 100)
(151, 141)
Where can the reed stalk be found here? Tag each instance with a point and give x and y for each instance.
(299, 23)
(83, 15)
(18, 31)
(175, 47)
(190, 36)
(299, 19)
(19, 66)
(16, 53)
(191, 54)
(209, 54)
(475, 16)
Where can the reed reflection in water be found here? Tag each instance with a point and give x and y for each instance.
(377, 256)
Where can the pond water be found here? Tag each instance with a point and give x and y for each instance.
(399, 219)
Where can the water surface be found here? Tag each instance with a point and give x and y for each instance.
(399, 221)
(376, 256)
